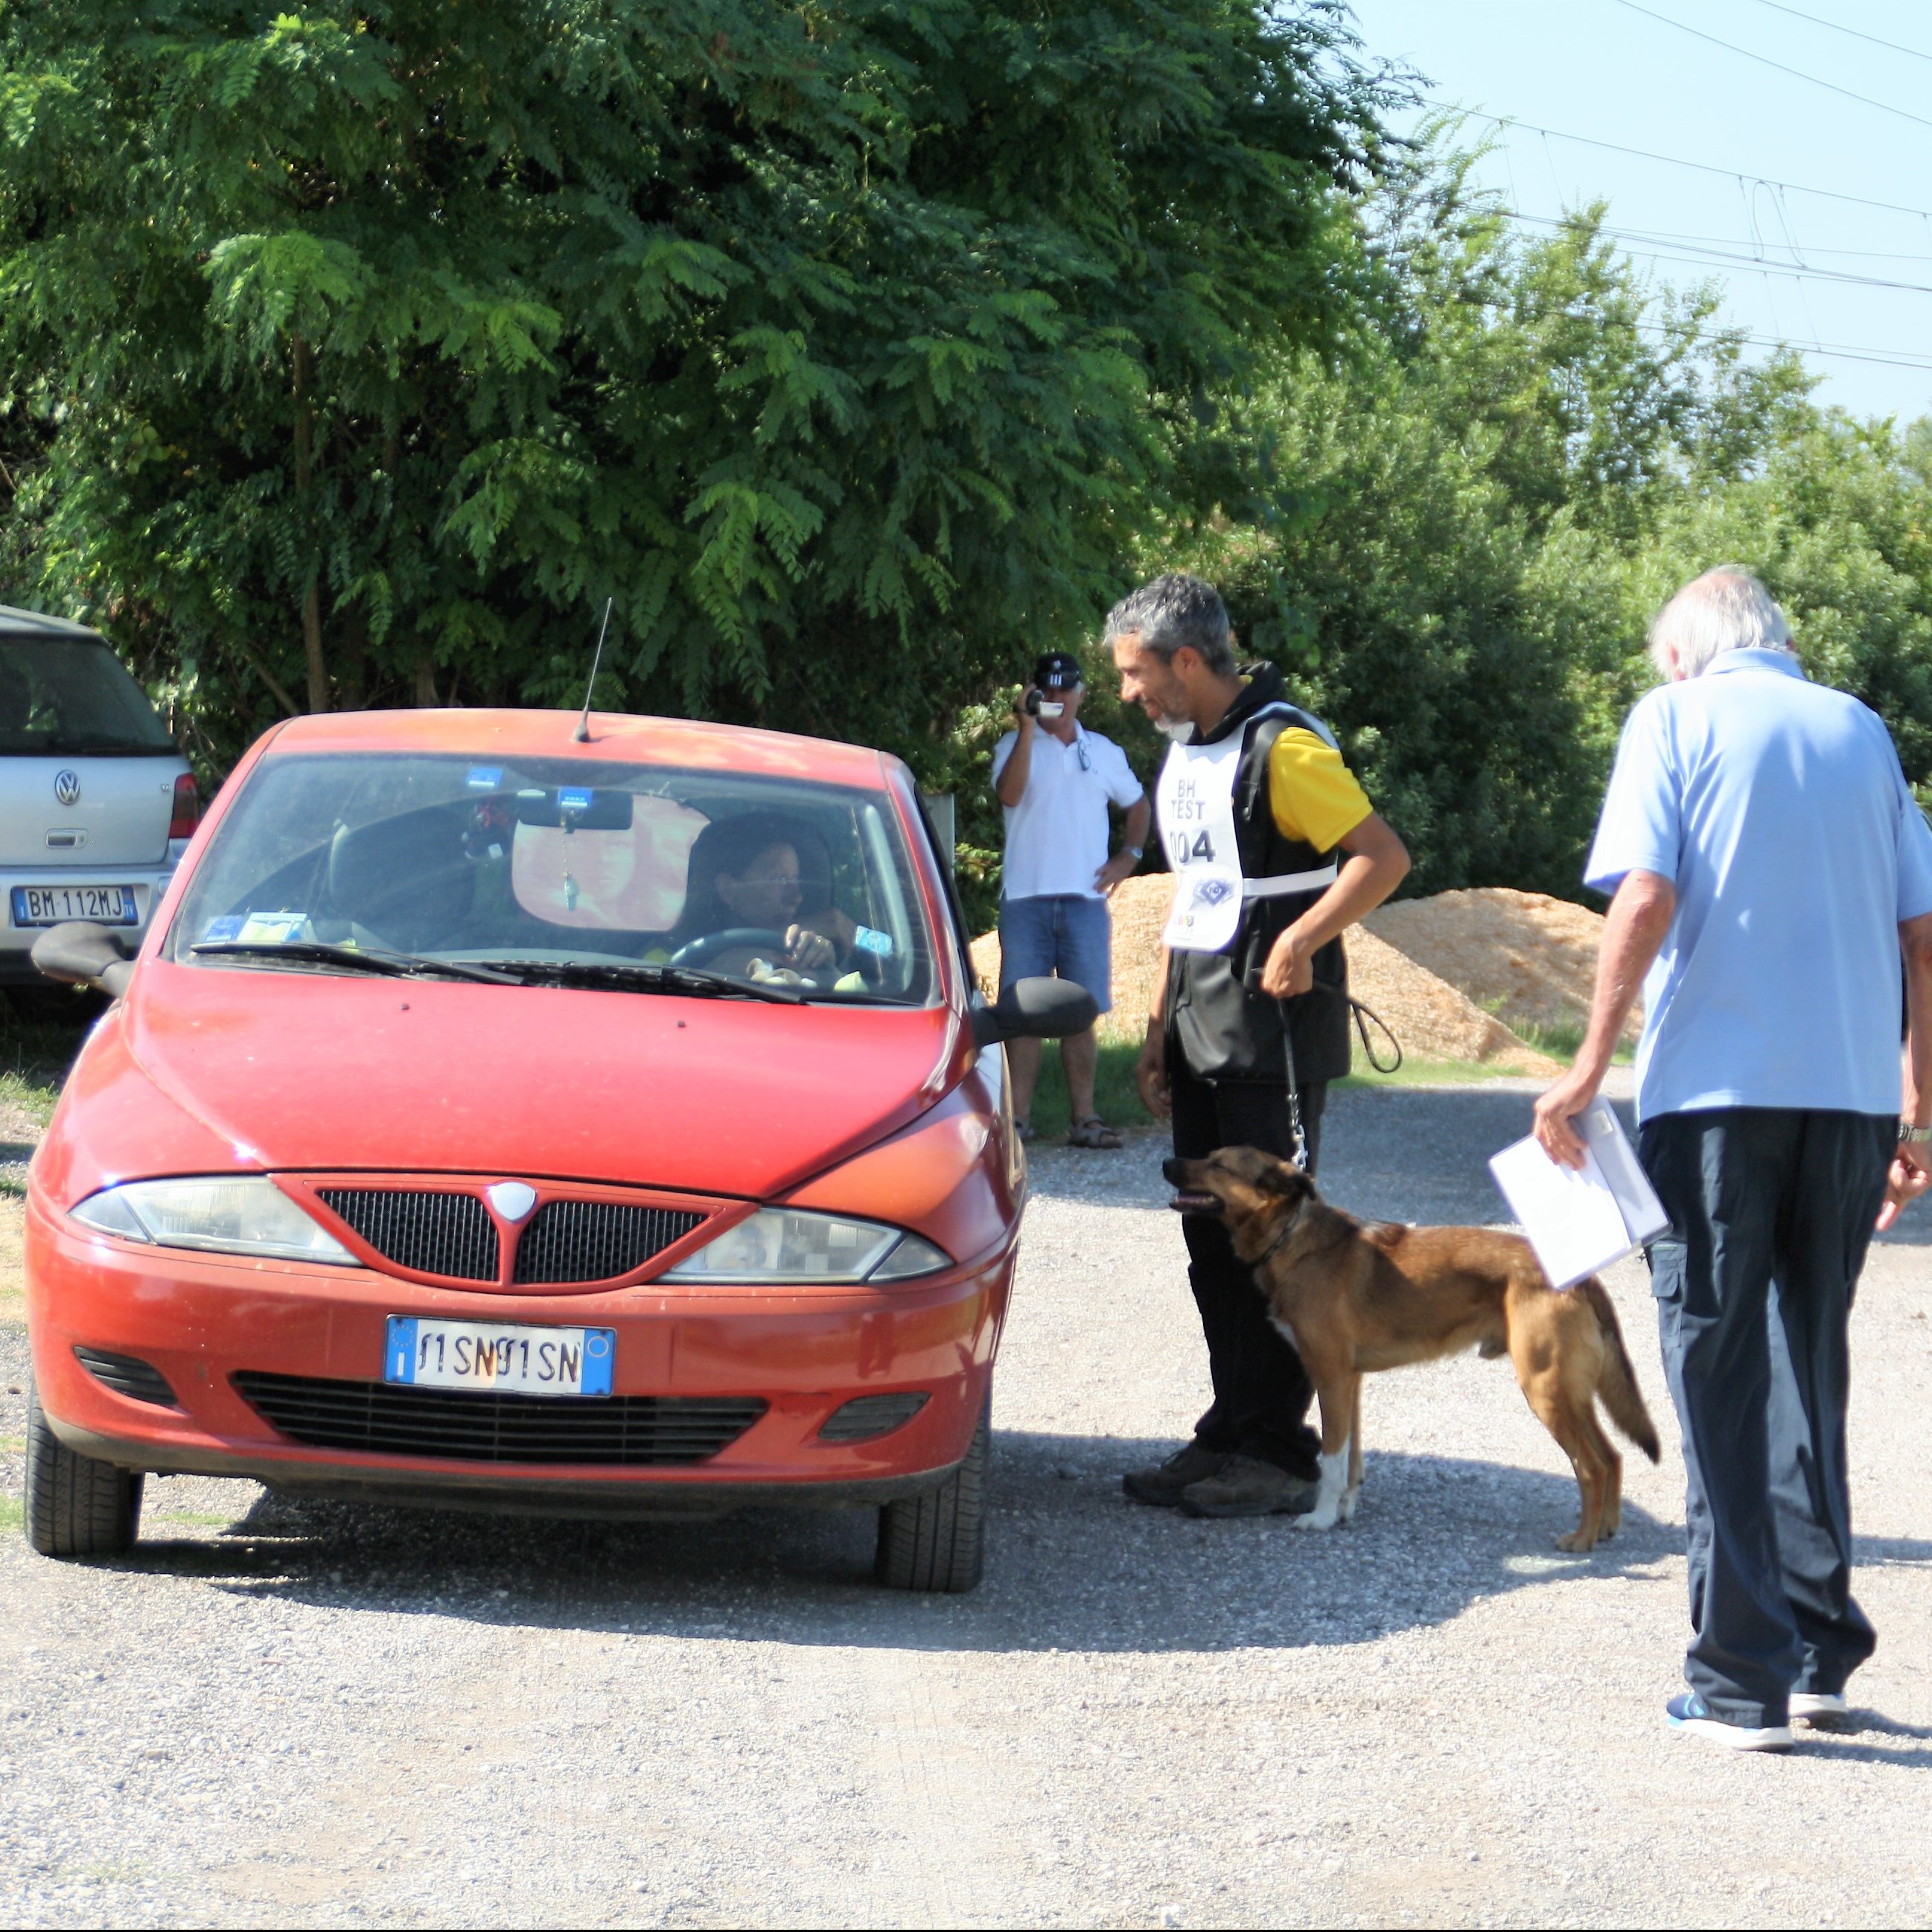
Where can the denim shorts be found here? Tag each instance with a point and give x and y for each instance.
(1062, 934)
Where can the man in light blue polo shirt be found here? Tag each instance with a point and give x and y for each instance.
(1769, 866)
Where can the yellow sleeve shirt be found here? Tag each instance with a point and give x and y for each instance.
(1314, 796)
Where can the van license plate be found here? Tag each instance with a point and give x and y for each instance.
(53, 905)
(500, 1355)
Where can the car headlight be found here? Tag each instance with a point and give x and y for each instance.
(789, 1244)
(243, 1214)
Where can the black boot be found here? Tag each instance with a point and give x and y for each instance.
(1161, 1486)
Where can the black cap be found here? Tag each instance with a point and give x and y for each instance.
(1058, 671)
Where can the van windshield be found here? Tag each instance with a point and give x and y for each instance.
(641, 877)
(66, 697)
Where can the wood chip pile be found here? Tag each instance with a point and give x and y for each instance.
(1529, 959)
(1449, 973)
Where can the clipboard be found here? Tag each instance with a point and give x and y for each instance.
(1581, 1221)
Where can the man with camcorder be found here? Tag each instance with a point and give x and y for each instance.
(1056, 780)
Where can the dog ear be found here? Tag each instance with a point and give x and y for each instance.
(1283, 1178)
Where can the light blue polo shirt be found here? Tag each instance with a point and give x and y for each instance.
(1777, 808)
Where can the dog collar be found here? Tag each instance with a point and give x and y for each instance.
(1287, 1228)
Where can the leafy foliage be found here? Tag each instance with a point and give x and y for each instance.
(1462, 531)
(356, 355)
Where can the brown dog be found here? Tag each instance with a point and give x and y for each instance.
(1354, 1297)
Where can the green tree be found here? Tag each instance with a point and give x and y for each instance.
(1450, 534)
(357, 354)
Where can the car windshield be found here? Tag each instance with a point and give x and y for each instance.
(632, 876)
(67, 697)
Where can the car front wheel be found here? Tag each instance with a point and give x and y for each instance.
(938, 1540)
(75, 1506)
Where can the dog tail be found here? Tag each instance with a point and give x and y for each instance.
(1617, 1387)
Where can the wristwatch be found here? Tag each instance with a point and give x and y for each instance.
(1909, 1134)
(1132, 851)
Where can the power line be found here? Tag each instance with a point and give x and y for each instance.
(1922, 256)
(1843, 352)
(1837, 27)
(1722, 257)
(1837, 352)
(1676, 161)
(1731, 46)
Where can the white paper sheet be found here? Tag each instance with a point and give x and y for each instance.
(1580, 1221)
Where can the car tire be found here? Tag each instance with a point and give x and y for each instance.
(75, 1505)
(938, 1540)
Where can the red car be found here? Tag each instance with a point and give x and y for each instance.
(501, 1117)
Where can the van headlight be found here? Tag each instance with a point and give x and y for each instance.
(790, 1244)
(241, 1214)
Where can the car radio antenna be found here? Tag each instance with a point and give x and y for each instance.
(581, 735)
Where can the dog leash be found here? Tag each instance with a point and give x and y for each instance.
(1298, 1136)
(1361, 1015)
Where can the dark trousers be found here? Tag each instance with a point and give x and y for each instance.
(1771, 1211)
(1261, 1392)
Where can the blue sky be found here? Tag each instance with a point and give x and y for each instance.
(1617, 73)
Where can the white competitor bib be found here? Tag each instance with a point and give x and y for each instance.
(1195, 798)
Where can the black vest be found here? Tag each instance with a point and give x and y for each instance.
(1224, 1026)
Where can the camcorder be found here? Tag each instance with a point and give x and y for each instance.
(1038, 705)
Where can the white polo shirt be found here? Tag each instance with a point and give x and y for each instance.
(1057, 834)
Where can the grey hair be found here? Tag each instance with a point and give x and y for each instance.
(1726, 609)
(1175, 613)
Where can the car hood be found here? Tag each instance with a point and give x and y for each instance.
(296, 1070)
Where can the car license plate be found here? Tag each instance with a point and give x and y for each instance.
(53, 905)
(500, 1355)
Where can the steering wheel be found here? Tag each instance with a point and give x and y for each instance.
(707, 945)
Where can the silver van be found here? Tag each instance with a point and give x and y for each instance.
(97, 803)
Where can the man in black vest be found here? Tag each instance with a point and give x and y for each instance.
(1277, 852)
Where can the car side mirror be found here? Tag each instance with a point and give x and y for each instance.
(80, 953)
(1035, 1010)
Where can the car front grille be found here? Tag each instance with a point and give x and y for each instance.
(467, 1426)
(594, 1240)
(428, 1231)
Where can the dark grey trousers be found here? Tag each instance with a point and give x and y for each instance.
(1771, 1211)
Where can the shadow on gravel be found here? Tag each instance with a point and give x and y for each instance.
(1071, 1564)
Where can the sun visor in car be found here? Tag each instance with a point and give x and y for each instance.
(576, 808)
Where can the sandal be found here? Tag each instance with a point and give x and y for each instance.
(1023, 1127)
(1093, 1131)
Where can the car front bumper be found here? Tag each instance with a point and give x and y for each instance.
(201, 1319)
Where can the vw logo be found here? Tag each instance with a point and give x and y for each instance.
(66, 787)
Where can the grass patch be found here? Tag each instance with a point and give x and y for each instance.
(31, 1094)
(1565, 1042)
(12, 1513)
(1116, 1095)
(35, 1054)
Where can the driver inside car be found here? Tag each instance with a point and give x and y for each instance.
(745, 874)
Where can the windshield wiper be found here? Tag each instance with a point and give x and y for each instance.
(391, 965)
(647, 979)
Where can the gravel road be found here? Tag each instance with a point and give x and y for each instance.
(305, 1714)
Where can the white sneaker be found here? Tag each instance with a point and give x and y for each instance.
(1818, 1710)
(1688, 1717)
